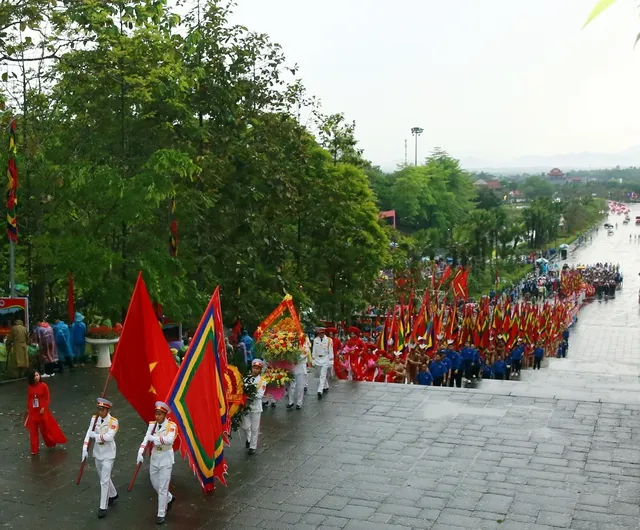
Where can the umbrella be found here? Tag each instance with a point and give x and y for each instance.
(542, 260)
(581, 267)
(563, 246)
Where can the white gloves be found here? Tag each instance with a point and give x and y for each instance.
(85, 454)
(140, 458)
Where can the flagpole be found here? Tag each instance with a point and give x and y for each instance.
(12, 272)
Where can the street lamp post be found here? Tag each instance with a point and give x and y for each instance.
(416, 131)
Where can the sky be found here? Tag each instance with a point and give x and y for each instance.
(489, 81)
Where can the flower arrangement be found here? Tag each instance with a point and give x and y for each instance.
(103, 332)
(249, 391)
(277, 377)
(278, 344)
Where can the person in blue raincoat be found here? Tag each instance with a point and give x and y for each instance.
(62, 337)
(248, 343)
(78, 340)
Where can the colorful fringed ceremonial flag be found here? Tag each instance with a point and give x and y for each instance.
(12, 186)
(419, 329)
(459, 284)
(445, 276)
(142, 364)
(198, 399)
(400, 337)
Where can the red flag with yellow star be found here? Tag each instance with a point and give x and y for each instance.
(142, 364)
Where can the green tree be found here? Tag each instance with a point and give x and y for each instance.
(537, 187)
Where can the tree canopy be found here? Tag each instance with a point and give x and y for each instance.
(131, 118)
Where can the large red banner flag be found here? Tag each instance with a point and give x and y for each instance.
(198, 399)
(143, 365)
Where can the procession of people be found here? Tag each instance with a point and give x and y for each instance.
(438, 342)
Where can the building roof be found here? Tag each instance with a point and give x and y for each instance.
(494, 184)
(555, 172)
(480, 182)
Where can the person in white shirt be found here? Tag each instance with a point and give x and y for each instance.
(103, 428)
(322, 358)
(161, 434)
(296, 387)
(251, 422)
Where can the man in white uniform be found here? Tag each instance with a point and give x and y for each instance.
(322, 358)
(161, 434)
(251, 421)
(296, 387)
(103, 428)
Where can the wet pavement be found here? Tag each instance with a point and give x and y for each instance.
(558, 449)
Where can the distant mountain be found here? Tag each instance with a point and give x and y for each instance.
(567, 162)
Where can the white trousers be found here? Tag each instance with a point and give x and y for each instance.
(107, 489)
(160, 478)
(251, 429)
(322, 377)
(296, 389)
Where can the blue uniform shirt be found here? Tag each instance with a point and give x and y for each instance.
(424, 378)
(447, 364)
(437, 369)
(454, 357)
(517, 352)
(486, 371)
(499, 368)
(469, 354)
(538, 353)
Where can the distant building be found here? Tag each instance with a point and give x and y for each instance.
(556, 176)
(491, 184)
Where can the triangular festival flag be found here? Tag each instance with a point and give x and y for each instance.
(198, 399)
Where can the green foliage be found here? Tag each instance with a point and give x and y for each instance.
(436, 195)
(145, 108)
(537, 187)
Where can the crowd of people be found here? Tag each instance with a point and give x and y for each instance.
(48, 347)
(605, 278)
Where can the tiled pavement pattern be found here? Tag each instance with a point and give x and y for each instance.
(558, 449)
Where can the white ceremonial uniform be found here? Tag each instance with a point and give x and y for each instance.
(307, 350)
(296, 387)
(162, 437)
(251, 421)
(322, 358)
(104, 452)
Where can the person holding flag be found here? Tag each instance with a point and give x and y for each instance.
(161, 434)
(103, 428)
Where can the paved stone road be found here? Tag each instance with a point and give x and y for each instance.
(558, 449)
